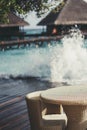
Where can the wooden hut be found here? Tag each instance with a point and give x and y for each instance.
(67, 14)
(11, 30)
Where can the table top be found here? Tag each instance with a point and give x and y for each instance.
(66, 95)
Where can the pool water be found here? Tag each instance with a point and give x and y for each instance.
(65, 62)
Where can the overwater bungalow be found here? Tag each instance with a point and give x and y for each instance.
(66, 15)
(12, 37)
(11, 30)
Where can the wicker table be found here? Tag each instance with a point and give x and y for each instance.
(74, 101)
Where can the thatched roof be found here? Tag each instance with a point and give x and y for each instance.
(73, 12)
(14, 20)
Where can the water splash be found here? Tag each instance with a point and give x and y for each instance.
(69, 61)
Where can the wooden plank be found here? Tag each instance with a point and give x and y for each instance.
(10, 101)
(6, 98)
(14, 114)
(16, 122)
(12, 106)
(11, 113)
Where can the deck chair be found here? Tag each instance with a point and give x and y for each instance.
(40, 117)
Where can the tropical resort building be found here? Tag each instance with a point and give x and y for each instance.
(66, 15)
(11, 30)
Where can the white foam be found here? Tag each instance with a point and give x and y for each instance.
(85, 1)
(69, 62)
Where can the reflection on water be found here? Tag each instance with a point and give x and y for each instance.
(66, 62)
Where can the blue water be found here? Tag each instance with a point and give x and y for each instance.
(35, 31)
(66, 62)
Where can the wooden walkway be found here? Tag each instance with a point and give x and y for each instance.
(13, 108)
(37, 41)
(30, 39)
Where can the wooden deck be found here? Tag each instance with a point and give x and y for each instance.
(13, 108)
(13, 113)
